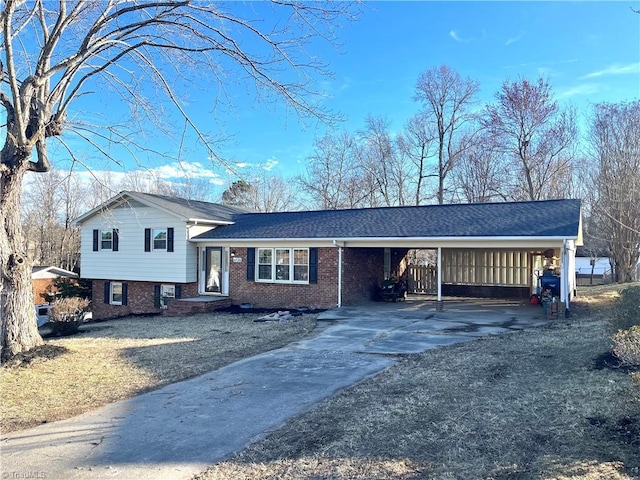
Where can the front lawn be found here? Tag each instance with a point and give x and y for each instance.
(117, 359)
(537, 404)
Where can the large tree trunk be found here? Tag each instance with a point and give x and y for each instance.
(19, 330)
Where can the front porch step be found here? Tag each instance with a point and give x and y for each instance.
(184, 307)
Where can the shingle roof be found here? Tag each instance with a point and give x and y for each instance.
(191, 208)
(549, 218)
(187, 209)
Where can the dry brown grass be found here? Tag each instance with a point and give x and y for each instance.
(117, 359)
(530, 405)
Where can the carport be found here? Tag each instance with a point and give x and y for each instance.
(483, 250)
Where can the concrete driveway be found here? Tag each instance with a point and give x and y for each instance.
(179, 430)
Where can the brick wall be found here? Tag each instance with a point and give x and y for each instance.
(42, 285)
(139, 299)
(363, 271)
(323, 294)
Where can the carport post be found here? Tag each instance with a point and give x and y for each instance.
(339, 277)
(340, 244)
(439, 303)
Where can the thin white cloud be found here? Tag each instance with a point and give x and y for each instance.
(512, 40)
(453, 34)
(615, 69)
(178, 170)
(584, 89)
(270, 164)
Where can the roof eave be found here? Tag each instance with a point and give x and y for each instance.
(355, 241)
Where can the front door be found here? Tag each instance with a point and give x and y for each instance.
(213, 271)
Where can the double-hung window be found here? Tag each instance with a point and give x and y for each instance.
(167, 292)
(284, 265)
(160, 239)
(116, 294)
(106, 240)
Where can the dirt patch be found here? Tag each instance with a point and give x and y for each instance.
(39, 354)
(529, 405)
(117, 359)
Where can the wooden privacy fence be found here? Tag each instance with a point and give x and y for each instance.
(422, 279)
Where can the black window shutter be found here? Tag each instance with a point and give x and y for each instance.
(178, 291)
(116, 240)
(313, 265)
(107, 292)
(156, 296)
(170, 239)
(251, 264)
(147, 239)
(125, 291)
(96, 233)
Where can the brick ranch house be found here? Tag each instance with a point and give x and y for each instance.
(150, 253)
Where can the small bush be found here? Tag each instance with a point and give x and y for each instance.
(626, 346)
(67, 314)
(626, 309)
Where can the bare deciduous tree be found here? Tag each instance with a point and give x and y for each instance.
(416, 144)
(383, 167)
(332, 178)
(537, 137)
(447, 99)
(54, 55)
(479, 174)
(616, 206)
(52, 201)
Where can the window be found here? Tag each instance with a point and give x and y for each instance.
(160, 239)
(167, 292)
(286, 265)
(283, 264)
(300, 265)
(106, 239)
(116, 296)
(265, 262)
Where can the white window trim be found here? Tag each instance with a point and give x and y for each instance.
(153, 239)
(273, 266)
(163, 289)
(110, 249)
(111, 301)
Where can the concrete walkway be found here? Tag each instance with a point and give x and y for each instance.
(179, 430)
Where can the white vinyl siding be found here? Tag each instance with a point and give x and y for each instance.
(131, 262)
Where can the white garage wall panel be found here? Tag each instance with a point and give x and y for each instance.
(486, 267)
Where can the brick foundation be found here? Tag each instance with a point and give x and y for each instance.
(140, 299)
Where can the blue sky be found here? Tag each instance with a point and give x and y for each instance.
(588, 51)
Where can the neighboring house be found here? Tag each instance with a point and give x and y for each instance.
(143, 250)
(594, 267)
(43, 279)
